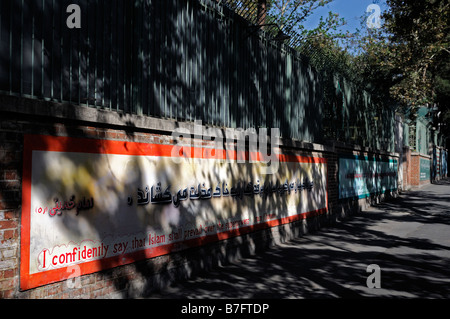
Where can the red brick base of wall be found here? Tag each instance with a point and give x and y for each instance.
(416, 180)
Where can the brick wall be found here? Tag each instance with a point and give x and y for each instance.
(141, 278)
(415, 170)
(333, 186)
(406, 159)
(10, 200)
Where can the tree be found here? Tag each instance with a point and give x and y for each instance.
(419, 52)
(418, 34)
(292, 14)
(442, 91)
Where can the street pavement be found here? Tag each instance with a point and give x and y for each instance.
(408, 238)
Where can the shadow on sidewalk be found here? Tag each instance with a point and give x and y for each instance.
(408, 238)
(431, 200)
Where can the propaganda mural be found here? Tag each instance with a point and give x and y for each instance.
(99, 204)
(361, 176)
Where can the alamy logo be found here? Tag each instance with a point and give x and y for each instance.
(258, 142)
(374, 19)
(73, 280)
(374, 280)
(74, 19)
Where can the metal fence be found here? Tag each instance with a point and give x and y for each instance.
(184, 60)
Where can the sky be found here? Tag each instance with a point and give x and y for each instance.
(351, 10)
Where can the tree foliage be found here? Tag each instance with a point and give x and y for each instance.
(290, 16)
(406, 55)
(293, 13)
(407, 59)
(419, 38)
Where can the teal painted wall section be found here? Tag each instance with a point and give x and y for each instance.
(362, 176)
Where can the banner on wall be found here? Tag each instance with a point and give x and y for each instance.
(98, 204)
(362, 176)
(425, 172)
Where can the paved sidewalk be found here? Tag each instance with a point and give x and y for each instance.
(408, 238)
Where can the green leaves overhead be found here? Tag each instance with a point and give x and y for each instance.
(418, 34)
